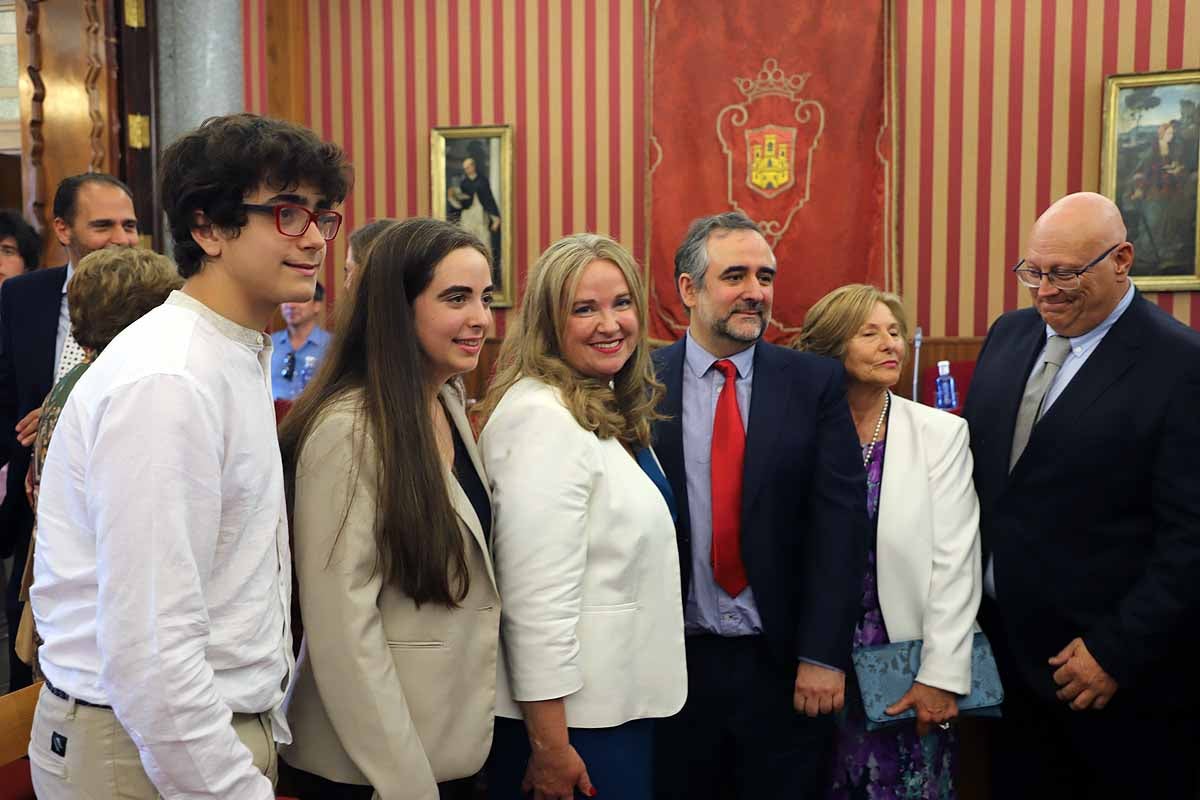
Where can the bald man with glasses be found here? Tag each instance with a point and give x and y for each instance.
(1084, 427)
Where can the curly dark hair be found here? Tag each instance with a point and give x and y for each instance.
(29, 244)
(214, 167)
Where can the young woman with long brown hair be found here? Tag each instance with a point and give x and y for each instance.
(391, 520)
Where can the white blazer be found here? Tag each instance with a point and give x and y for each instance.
(586, 561)
(927, 547)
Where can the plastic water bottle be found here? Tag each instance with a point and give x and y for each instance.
(947, 393)
(306, 371)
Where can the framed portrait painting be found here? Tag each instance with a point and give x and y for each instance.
(471, 180)
(1149, 153)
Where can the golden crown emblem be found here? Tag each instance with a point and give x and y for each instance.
(771, 80)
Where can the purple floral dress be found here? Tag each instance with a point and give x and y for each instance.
(893, 763)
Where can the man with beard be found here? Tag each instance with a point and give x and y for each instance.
(760, 451)
(91, 211)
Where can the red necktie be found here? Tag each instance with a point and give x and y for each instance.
(728, 456)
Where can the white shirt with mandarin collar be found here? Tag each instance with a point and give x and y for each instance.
(170, 551)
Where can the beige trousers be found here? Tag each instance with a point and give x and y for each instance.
(101, 761)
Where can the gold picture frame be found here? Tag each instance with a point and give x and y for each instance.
(480, 202)
(1150, 149)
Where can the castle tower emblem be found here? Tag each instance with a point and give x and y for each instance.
(770, 159)
(769, 177)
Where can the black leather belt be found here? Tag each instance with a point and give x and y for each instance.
(63, 695)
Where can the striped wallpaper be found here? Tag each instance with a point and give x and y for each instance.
(566, 74)
(998, 111)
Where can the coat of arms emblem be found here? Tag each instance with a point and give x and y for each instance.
(769, 159)
(769, 178)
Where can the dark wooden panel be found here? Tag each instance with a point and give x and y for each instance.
(933, 350)
(287, 59)
(68, 101)
(10, 181)
(137, 54)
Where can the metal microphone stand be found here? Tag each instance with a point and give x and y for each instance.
(916, 364)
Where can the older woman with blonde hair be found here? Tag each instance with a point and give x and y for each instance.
(109, 290)
(923, 573)
(592, 624)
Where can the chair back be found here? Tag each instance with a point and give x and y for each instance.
(16, 722)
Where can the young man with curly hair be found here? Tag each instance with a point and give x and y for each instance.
(162, 581)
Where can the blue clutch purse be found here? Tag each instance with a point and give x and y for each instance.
(885, 672)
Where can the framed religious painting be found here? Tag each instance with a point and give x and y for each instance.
(1150, 147)
(471, 180)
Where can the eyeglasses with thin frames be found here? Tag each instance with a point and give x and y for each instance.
(293, 220)
(1059, 277)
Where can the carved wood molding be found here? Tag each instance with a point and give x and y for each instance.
(35, 204)
(91, 83)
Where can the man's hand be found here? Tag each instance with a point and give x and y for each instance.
(934, 706)
(818, 690)
(27, 427)
(1084, 682)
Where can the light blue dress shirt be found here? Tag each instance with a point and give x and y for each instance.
(1081, 350)
(313, 347)
(709, 609)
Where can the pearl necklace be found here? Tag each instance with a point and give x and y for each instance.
(887, 399)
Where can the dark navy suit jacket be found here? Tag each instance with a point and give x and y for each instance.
(804, 519)
(1096, 532)
(29, 309)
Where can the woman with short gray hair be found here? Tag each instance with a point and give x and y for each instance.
(923, 576)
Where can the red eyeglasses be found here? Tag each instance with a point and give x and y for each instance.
(293, 220)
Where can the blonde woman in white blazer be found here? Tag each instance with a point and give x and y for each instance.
(923, 578)
(395, 687)
(586, 561)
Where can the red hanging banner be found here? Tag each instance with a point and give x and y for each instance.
(779, 113)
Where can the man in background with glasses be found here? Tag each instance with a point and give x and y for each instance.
(162, 576)
(297, 349)
(1084, 425)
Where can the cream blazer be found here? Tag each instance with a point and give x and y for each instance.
(927, 546)
(587, 566)
(386, 694)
